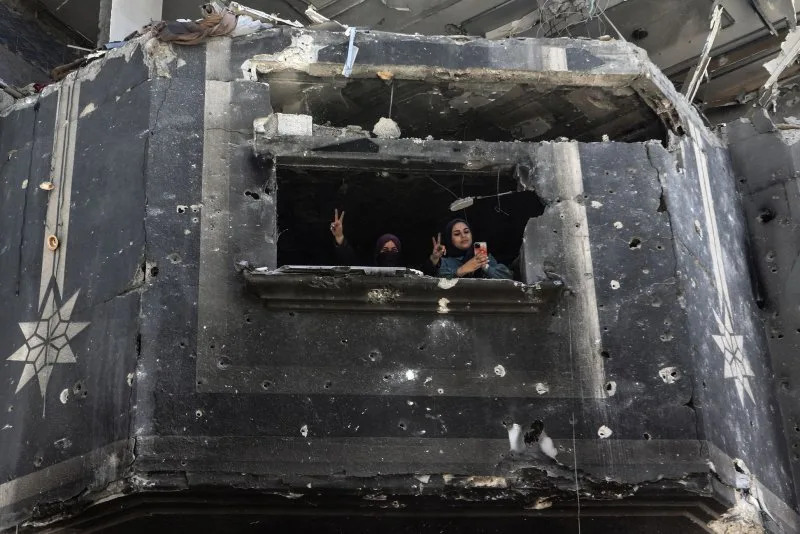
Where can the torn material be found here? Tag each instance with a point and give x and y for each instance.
(699, 72)
(217, 21)
(790, 48)
(352, 52)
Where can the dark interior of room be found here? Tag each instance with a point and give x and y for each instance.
(469, 110)
(415, 207)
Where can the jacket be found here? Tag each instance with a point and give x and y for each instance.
(449, 265)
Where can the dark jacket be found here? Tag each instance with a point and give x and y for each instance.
(450, 264)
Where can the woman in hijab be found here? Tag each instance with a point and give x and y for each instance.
(387, 247)
(461, 260)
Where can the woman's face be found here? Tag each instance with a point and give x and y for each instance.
(461, 236)
(389, 247)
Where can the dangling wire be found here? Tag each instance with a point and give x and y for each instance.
(391, 97)
(498, 208)
(573, 421)
(443, 187)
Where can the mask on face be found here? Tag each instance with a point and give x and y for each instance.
(390, 258)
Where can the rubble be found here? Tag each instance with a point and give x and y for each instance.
(386, 128)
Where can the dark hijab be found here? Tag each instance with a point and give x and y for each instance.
(452, 250)
(387, 259)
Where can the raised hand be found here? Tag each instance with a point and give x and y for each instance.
(473, 264)
(337, 227)
(439, 250)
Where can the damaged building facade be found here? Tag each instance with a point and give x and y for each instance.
(177, 344)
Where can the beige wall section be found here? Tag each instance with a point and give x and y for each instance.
(127, 16)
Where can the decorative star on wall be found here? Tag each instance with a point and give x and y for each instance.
(736, 365)
(47, 340)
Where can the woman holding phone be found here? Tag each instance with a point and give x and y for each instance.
(466, 259)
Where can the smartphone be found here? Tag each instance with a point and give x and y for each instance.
(481, 248)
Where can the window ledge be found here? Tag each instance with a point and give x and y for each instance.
(329, 288)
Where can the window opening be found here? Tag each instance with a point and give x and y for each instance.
(415, 207)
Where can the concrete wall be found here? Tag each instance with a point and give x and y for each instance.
(178, 376)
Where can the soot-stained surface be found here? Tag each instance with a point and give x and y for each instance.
(464, 110)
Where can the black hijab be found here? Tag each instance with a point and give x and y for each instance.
(388, 259)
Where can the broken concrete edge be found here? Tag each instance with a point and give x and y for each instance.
(154, 55)
(302, 54)
(520, 490)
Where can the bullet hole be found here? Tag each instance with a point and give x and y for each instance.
(604, 432)
(765, 215)
(422, 347)
(37, 462)
(659, 247)
(401, 426)
(200, 382)
(780, 336)
(605, 354)
(224, 362)
(343, 342)
(253, 195)
(601, 306)
(183, 463)
(79, 390)
(610, 191)
(328, 384)
(291, 314)
(386, 378)
(611, 388)
(374, 356)
(532, 435)
(174, 257)
(181, 208)
(770, 255)
(614, 284)
(266, 384)
(606, 173)
(774, 270)
(647, 436)
(212, 346)
(248, 319)
(635, 243)
(670, 375)
(198, 413)
(638, 34)
(154, 271)
(605, 329)
(704, 383)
